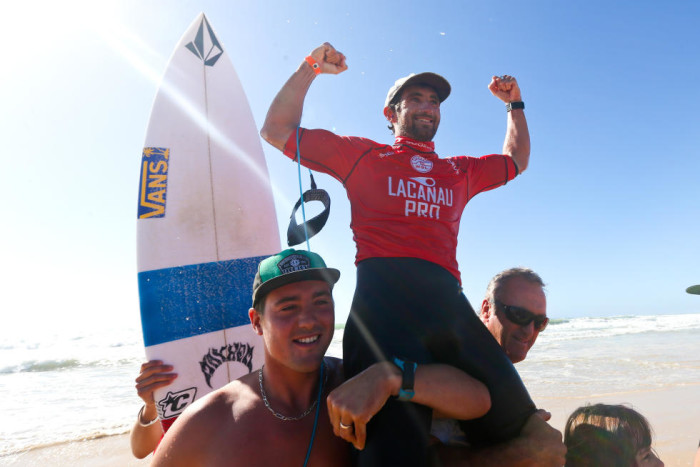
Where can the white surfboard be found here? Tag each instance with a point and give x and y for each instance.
(206, 217)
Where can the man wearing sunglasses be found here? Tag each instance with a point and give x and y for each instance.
(515, 311)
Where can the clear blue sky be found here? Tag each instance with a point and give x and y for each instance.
(608, 212)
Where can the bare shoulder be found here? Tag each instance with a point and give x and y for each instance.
(225, 405)
(234, 393)
(201, 424)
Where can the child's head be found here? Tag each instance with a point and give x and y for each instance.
(608, 435)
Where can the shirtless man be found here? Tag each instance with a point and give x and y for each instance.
(538, 444)
(277, 416)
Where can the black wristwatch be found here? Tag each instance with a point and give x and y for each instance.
(408, 372)
(515, 105)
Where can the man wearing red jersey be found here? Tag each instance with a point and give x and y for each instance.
(406, 205)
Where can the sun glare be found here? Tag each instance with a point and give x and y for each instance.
(151, 65)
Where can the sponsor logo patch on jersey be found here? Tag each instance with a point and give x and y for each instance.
(154, 182)
(454, 165)
(425, 181)
(421, 164)
(174, 403)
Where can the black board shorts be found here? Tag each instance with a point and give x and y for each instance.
(415, 310)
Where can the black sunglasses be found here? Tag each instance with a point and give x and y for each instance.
(523, 317)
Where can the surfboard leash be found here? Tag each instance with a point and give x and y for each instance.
(298, 233)
(301, 197)
(318, 410)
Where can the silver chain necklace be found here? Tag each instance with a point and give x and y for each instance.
(284, 417)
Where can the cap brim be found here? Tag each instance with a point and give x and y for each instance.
(329, 275)
(435, 81)
(440, 84)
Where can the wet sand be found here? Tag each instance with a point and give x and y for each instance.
(109, 451)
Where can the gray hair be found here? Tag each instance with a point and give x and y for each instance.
(502, 277)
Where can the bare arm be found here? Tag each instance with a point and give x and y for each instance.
(537, 445)
(517, 141)
(144, 439)
(284, 114)
(180, 445)
(441, 387)
(191, 437)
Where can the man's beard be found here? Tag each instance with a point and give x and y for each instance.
(423, 134)
(419, 132)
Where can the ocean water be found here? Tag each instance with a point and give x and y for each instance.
(69, 386)
(606, 356)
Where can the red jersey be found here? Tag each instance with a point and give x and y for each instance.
(405, 200)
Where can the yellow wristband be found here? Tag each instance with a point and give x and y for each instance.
(314, 64)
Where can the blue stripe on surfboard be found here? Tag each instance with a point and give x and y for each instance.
(191, 300)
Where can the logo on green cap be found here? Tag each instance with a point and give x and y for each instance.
(294, 263)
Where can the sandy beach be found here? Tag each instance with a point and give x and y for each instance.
(676, 431)
(670, 411)
(108, 451)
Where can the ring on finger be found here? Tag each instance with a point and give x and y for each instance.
(344, 426)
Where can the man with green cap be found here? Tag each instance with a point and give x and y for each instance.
(278, 415)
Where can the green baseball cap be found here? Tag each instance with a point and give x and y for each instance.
(290, 266)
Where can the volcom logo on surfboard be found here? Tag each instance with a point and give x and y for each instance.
(154, 182)
(206, 46)
(175, 402)
(236, 352)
